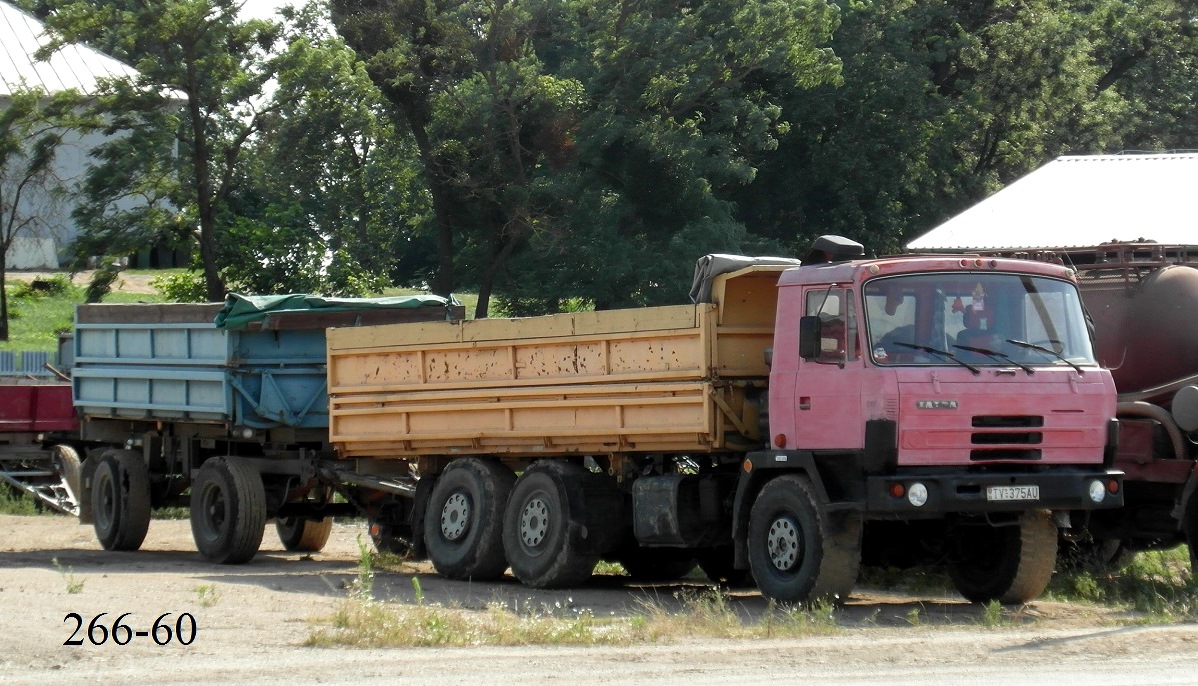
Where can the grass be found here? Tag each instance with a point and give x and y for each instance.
(365, 623)
(1157, 584)
(360, 621)
(14, 502)
(36, 317)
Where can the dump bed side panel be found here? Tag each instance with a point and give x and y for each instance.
(171, 362)
(641, 380)
(29, 407)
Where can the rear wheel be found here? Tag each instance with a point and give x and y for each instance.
(545, 548)
(793, 550)
(121, 500)
(464, 518)
(228, 510)
(1010, 564)
(302, 535)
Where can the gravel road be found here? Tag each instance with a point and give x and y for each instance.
(263, 612)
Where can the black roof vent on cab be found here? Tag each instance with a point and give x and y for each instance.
(833, 249)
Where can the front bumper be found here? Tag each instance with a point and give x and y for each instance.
(956, 492)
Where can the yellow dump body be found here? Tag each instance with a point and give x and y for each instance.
(663, 379)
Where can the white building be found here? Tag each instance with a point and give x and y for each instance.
(73, 67)
(1081, 201)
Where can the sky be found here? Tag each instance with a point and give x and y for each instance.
(264, 9)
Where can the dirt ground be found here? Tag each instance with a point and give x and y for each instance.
(254, 625)
(128, 283)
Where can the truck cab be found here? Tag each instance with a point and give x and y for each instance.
(946, 398)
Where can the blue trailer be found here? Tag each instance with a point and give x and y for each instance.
(224, 408)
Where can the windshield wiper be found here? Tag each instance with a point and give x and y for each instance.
(996, 355)
(938, 351)
(1046, 351)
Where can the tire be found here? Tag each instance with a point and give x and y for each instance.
(1010, 564)
(717, 563)
(303, 535)
(67, 464)
(464, 519)
(793, 550)
(656, 564)
(391, 539)
(544, 546)
(228, 510)
(1099, 555)
(120, 495)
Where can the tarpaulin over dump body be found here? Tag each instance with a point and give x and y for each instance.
(710, 266)
(240, 311)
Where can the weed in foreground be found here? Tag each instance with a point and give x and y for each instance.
(208, 594)
(74, 585)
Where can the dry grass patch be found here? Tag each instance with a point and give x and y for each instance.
(364, 623)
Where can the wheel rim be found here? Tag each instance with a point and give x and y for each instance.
(214, 512)
(534, 522)
(455, 516)
(105, 514)
(784, 543)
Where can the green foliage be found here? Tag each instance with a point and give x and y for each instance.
(182, 287)
(1157, 583)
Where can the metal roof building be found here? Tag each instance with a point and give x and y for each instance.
(74, 66)
(1081, 201)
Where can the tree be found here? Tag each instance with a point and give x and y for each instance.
(202, 73)
(328, 197)
(32, 127)
(585, 128)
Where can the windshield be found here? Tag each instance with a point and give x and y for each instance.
(978, 319)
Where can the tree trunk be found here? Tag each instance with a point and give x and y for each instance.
(3, 295)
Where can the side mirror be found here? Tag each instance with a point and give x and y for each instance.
(809, 337)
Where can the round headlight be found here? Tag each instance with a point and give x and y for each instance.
(917, 494)
(1097, 491)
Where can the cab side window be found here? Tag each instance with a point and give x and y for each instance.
(838, 326)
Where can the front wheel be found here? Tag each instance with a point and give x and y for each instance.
(1010, 564)
(121, 500)
(793, 549)
(228, 510)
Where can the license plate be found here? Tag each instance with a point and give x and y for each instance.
(1013, 493)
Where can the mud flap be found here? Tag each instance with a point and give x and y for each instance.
(86, 472)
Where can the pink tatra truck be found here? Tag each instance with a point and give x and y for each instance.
(792, 423)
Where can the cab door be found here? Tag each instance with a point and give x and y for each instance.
(828, 386)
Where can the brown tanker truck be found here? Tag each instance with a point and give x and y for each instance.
(1143, 300)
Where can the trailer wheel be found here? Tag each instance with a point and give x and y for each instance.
(391, 539)
(656, 564)
(463, 520)
(67, 464)
(792, 548)
(1010, 564)
(303, 535)
(545, 548)
(121, 500)
(228, 510)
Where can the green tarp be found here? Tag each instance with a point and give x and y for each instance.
(240, 310)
